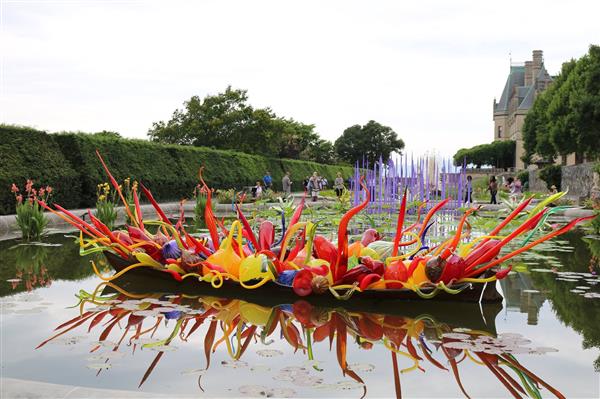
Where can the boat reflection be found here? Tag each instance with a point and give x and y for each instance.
(423, 341)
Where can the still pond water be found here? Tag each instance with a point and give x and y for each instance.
(544, 337)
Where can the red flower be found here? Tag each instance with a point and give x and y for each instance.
(19, 198)
(29, 185)
(14, 188)
(49, 189)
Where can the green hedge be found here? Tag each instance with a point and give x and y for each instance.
(26, 153)
(170, 171)
(140, 160)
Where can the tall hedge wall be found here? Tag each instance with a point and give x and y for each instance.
(26, 153)
(68, 161)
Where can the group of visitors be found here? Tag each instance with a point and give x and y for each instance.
(267, 183)
(312, 184)
(514, 187)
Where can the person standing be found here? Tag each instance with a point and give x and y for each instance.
(518, 188)
(314, 186)
(338, 184)
(268, 180)
(469, 190)
(286, 182)
(258, 190)
(493, 189)
(305, 183)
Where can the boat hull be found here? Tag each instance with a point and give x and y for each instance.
(158, 281)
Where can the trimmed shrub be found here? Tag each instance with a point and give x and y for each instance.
(26, 153)
(140, 160)
(169, 171)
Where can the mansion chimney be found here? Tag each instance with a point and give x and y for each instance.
(538, 60)
(529, 78)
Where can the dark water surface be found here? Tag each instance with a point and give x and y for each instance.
(547, 329)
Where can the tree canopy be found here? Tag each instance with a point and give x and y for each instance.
(227, 121)
(371, 141)
(566, 117)
(500, 154)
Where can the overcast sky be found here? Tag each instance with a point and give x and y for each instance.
(430, 70)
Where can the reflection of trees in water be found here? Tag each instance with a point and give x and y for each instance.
(39, 265)
(575, 311)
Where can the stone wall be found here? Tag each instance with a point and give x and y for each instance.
(535, 183)
(578, 179)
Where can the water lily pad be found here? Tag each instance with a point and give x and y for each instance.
(255, 391)
(234, 364)
(461, 330)
(509, 335)
(461, 345)
(69, 341)
(492, 351)
(362, 367)
(194, 372)
(100, 357)
(282, 392)
(269, 352)
(455, 335)
(145, 341)
(146, 313)
(162, 348)
(151, 300)
(99, 366)
(347, 385)
(591, 295)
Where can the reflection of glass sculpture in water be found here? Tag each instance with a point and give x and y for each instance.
(422, 340)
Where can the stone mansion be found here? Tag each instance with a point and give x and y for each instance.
(524, 83)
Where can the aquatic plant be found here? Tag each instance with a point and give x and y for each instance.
(106, 205)
(131, 196)
(200, 204)
(30, 214)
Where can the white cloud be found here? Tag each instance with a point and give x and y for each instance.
(429, 69)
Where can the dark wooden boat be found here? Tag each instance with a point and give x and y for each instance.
(160, 281)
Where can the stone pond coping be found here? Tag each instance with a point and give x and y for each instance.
(16, 388)
(9, 229)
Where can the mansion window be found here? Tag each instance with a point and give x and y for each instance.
(499, 132)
